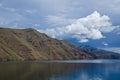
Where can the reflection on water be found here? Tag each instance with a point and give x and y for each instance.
(59, 71)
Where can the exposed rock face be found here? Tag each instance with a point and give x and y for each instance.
(29, 44)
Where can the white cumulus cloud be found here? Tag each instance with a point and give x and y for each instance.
(90, 27)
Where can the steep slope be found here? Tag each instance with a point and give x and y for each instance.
(29, 44)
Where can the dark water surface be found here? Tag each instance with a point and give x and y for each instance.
(61, 70)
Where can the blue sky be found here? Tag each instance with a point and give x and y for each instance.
(89, 22)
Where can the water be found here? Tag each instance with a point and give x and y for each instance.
(61, 70)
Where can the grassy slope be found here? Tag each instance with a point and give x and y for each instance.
(28, 44)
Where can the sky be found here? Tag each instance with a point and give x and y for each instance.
(82, 22)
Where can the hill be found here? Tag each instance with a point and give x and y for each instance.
(29, 44)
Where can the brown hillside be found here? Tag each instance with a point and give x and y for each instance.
(29, 44)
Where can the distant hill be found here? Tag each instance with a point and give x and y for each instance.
(100, 52)
(29, 44)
